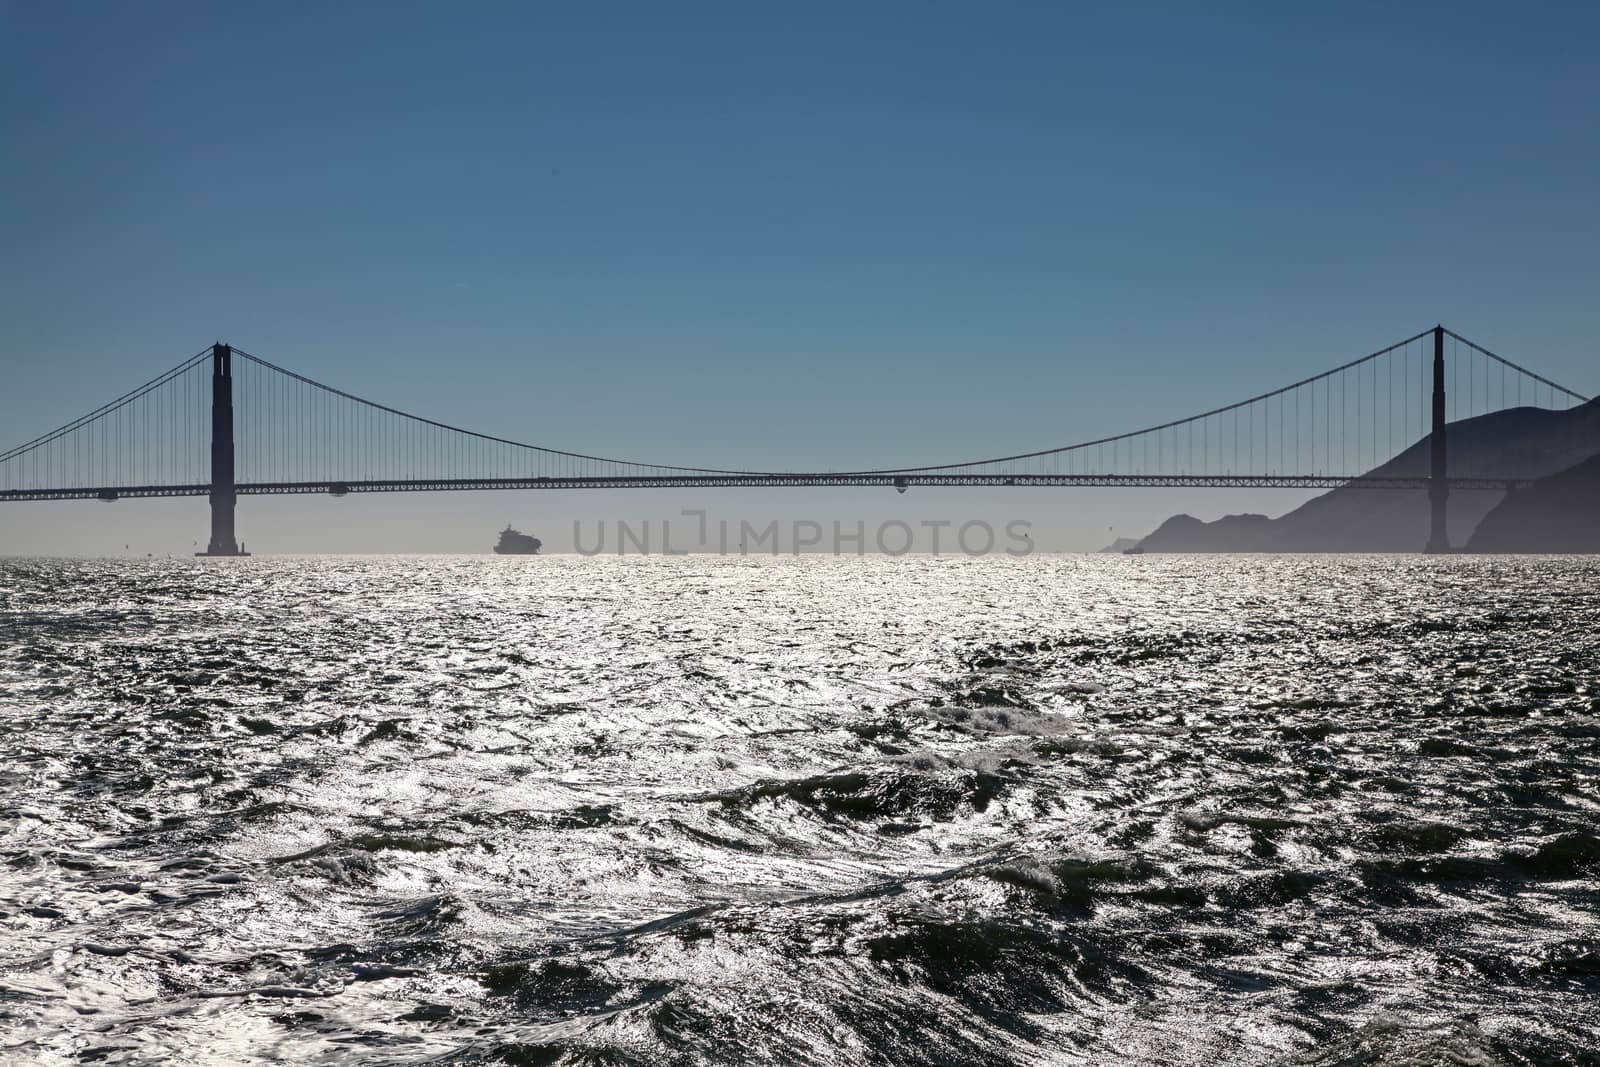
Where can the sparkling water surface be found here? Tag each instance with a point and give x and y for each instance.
(564, 810)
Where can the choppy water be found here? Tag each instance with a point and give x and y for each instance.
(791, 811)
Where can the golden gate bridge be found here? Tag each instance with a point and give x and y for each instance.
(224, 423)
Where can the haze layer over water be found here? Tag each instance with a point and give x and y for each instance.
(800, 810)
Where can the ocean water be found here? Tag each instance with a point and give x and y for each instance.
(696, 810)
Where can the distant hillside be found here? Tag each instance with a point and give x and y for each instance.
(1231, 533)
(1121, 544)
(1518, 441)
(1560, 513)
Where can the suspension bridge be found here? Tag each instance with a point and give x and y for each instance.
(224, 423)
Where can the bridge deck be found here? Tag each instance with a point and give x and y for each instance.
(1178, 481)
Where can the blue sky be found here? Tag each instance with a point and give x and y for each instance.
(799, 235)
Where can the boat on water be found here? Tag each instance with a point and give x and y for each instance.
(515, 543)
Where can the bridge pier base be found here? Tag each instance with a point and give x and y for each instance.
(223, 496)
(1439, 530)
(222, 539)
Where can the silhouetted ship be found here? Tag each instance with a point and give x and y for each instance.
(513, 543)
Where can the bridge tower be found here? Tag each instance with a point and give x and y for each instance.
(223, 497)
(1438, 488)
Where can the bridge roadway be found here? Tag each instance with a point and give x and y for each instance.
(709, 481)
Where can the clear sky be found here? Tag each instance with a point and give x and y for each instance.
(759, 235)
